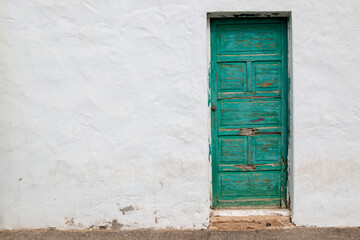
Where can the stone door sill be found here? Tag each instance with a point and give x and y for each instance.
(249, 219)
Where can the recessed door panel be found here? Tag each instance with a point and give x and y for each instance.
(232, 76)
(248, 38)
(267, 76)
(250, 112)
(266, 149)
(233, 149)
(250, 185)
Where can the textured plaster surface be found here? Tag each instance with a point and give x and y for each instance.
(104, 115)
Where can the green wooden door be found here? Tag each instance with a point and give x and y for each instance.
(249, 112)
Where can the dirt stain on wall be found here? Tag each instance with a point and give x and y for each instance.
(127, 209)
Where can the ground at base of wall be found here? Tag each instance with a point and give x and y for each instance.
(249, 223)
(284, 233)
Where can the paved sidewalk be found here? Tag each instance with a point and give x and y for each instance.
(291, 233)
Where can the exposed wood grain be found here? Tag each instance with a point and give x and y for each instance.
(249, 57)
(252, 167)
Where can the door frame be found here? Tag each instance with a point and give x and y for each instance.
(283, 17)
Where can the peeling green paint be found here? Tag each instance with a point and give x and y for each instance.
(249, 118)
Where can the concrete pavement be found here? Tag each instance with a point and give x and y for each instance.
(290, 233)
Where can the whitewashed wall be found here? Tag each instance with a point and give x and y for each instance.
(104, 117)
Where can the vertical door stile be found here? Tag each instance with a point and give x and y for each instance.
(249, 76)
(250, 151)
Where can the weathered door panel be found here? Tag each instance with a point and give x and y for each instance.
(248, 37)
(250, 184)
(249, 88)
(260, 111)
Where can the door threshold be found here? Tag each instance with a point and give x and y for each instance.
(250, 212)
(249, 219)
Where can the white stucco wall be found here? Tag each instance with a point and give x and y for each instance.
(104, 117)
